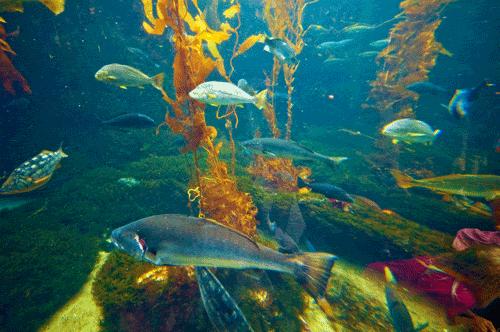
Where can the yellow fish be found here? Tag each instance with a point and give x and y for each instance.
(470, 185)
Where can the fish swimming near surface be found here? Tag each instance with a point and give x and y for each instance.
(333, 59)
(461, 102)
(217, 93)
(426, 87)
(55, 6)
(276, 147)
(173, 239)
(33, 173)
(281, 50)
(471, 185)
(368, 54)
(333, 45)
(326, 189)
(131, 120)
(400, 316)
(380, 43)
(221, 308)
(125, 76)
(410, 131)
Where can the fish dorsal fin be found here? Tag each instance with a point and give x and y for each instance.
(302, 146)
(233, 230)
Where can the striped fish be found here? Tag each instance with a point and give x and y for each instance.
(34, 173)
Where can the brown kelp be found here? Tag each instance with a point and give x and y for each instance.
(284, 20)
(408, 58)
(9, 75)
(219, 197)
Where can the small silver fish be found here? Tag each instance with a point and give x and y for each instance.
(333, 45)
(125, 76)
(217, 93)
(368, 54)
(275, 147)
(380, 43)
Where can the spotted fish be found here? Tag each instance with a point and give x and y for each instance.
(34, 173)
(222, 310)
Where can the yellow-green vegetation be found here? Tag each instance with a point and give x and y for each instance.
(81, 313)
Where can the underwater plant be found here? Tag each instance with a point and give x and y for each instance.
(408, 58)
(219, 197)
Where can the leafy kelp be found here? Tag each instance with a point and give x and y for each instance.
(408, 58)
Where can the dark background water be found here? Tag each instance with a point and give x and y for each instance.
(59, 56)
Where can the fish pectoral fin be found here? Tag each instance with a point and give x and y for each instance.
(240, 106)
(46, 152)
(421, 326)
(416, 134)
(211, 96)
(123, 87)
(395, 141)
(112, 78)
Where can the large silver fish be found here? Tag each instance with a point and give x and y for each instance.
(125, 76)
(276, 147)
(34, 173)
(173, 239)
(222, 310)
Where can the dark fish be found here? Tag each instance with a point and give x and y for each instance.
(286, 244)
(461, 102)
(281, 50)
(222, 310)
(276, 147)
(401, 319)
(173, 239)
(131, 120)
(426, 87)
(327, 189)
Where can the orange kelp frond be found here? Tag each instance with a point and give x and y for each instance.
(9, 75)
(221, 199)
(277, 173)
(217, 194)
(284, 19)
(409, 57)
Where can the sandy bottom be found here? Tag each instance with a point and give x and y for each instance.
(81, 313)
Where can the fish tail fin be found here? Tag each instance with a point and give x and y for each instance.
(389, 277)
(336, 160)
(261, 99)
(435, 134)
(63, 154)
(55, 6)
(404, 181)
(158, 81)
(313, 271)
(421, 326)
